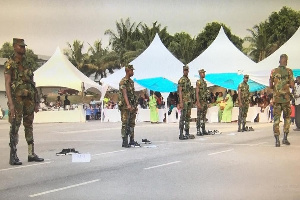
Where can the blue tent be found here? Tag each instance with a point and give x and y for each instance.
(158, 84)
(232, 81)
(296, 72)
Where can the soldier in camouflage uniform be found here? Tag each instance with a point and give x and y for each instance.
(201, 97)
(185, 101)
(243, 96)
(22, 101)
(281, 80)
(128, 106)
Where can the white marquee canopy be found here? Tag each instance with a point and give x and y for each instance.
(59, 72)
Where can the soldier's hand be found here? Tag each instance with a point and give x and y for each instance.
(129, 107)
(12, 111)
(36, 108)
(199, 105)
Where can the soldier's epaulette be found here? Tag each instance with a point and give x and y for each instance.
(8, 64)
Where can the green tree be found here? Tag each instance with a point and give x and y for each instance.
(183, 47)
(209, 34)
(281, 25)
(103, 59)
(260, 46)
(125, 39)
(7, 51)
(148, 34)
(78, 58)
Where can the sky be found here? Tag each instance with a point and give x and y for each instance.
(46, 24)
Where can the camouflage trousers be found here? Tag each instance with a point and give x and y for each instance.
(201, 115)
(24, 109)
(128, 117)
(277, 110)
(243, 111)
(185, 116)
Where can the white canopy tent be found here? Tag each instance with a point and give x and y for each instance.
(59, 72)
(155, 61)
(222, 56)
(262, 70)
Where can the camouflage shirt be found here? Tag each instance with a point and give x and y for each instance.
(245, 94)
(128, 84)
(281, 76)
(201, 83)
(22, 83)
(185, 83)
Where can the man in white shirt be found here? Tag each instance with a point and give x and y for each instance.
(297, 103)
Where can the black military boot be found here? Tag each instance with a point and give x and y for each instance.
(32, 157)
(13, 158)
(125, 142)
(244, 128)
(239, 128)
(199, 133)
(285, 140)
(187, 132)
(277, 141)
(181, 136)
(204, 132)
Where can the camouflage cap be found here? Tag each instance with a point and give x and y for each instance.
(185, 67)
(246, 76)
(19, 41)
(201, 71)
(129, 67)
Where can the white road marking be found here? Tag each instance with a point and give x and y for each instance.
(171, 163)
(100, 154)
(43, 163)
(63, 188)
(94, 130)
(220, 152)
(252, 145)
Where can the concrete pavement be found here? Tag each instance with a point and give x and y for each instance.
(230, 165)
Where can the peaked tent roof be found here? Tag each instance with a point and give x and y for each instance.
(58, 71)
(261, 71)
(221, 56)
(155, 61)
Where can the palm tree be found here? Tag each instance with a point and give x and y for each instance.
(102, 59)
(79, 59)
(123, 40)
(260, 46)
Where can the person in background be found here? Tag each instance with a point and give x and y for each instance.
(66, 102)
(58, 102)
(153, 108)
(234, 97)
(185, 103)
(243, 96)
(227, 112)
(220, 101)
(297, 103)
(128, 107)
(1, 114)
(281, 80)
(293, 112)
(201, 101)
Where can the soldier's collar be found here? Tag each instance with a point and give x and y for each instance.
(282, 66)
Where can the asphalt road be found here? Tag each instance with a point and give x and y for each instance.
(230, 165)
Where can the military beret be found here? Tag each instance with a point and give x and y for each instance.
(185, 67)
(201, 71)
(129, 67)
(19, 41)
(246, 76)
